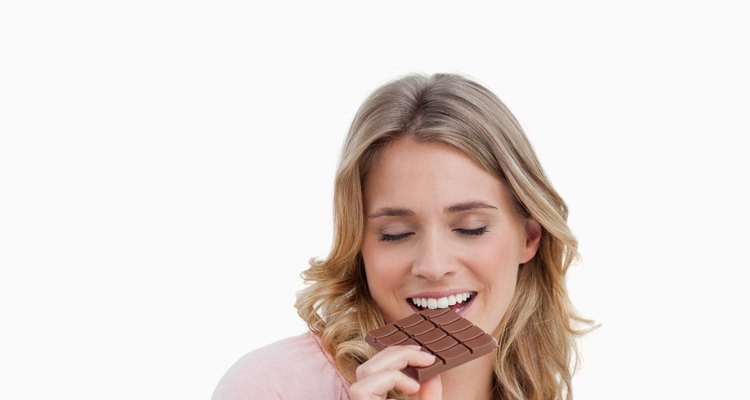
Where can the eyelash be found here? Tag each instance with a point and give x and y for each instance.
(471, 232)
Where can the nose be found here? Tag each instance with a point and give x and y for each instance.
(433, 260)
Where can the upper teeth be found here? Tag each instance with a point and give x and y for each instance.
(440, 302)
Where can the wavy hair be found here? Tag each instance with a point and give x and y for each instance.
(537, 354)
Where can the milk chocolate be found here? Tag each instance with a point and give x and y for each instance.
(453, 339)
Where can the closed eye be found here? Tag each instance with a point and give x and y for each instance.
(478, 231)
(388, 238)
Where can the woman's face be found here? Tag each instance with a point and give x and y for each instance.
(439, 228)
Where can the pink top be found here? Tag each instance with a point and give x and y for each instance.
(293, 368)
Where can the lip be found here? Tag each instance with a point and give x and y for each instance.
(440, 293)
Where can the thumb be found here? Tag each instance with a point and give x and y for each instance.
(431, 389)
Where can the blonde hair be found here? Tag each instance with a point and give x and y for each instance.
(537, 333)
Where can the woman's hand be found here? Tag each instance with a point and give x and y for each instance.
(382, 373)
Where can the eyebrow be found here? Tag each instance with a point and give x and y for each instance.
(405, 212)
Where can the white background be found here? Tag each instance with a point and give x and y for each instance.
(166, 171)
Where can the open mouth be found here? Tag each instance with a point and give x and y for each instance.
(456, 302)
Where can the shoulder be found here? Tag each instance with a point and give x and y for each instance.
(292, 368)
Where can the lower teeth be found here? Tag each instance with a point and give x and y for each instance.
(456, 309)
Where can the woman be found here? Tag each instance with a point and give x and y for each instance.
(440, 201)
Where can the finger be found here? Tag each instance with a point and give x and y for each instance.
(395, 358)
(379, 384)
(431, 389)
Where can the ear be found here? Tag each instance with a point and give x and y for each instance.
(533, 236)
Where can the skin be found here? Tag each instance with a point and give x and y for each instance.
(435, 251)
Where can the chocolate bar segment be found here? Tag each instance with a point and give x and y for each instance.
(453, 339)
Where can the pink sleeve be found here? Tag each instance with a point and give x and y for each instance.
(245, 380)
(293, 368)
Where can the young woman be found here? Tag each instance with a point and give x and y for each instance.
(440, 201)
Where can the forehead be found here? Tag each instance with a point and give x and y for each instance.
(411, 173)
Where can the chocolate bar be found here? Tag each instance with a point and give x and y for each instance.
(452, 338)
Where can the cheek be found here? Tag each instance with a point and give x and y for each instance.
(384, 268)
(494, 259)
(496, 265)
(497, 269)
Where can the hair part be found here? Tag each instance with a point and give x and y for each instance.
(537, 333)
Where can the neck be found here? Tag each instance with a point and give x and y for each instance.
(472, 380)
